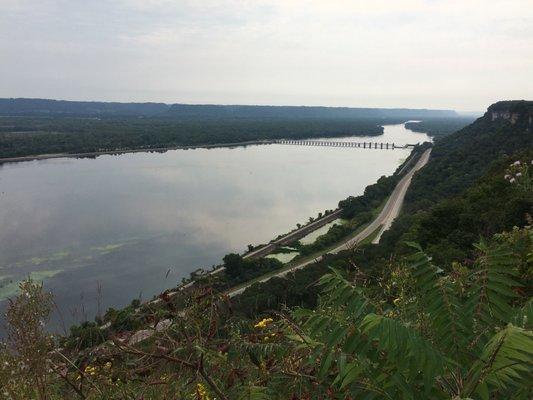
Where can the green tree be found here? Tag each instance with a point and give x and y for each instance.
(24, 358)
(234, 264)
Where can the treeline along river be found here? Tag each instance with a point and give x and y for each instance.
(102, 231)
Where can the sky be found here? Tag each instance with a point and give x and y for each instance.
(461, 55)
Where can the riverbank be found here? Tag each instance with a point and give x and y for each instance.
(143, 150)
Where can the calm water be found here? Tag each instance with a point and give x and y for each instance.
(102, 231)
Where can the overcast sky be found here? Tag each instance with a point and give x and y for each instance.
(461, 54)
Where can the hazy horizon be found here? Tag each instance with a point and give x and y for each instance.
(429, 54)
(170, 103)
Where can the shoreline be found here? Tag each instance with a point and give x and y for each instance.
(39, 157)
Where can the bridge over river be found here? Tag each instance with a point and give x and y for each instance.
(362, 145)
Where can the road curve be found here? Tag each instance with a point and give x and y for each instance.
(384, 220)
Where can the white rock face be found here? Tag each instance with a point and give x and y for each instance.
(513, 118)
(500, 114)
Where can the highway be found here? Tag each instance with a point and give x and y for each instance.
(382, 222)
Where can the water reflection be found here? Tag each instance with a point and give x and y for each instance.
(123, 222)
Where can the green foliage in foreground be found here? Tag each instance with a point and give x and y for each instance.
(421, 333)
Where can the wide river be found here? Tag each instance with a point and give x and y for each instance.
(100, 232)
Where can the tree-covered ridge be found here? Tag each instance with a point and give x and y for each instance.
(23, 106)
(285, 112)
(461, 158)
(448, 229)
(48, 107)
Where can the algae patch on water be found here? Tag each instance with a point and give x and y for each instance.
(60, 255)
(108, 248)
(10, 287)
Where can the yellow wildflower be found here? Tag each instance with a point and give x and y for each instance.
(263, 323)
(201, 392)
(90, 370)
(262, 366)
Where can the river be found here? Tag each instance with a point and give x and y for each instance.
(102, 231)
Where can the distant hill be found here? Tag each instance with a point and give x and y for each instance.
(42, 107)
(284, 112)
